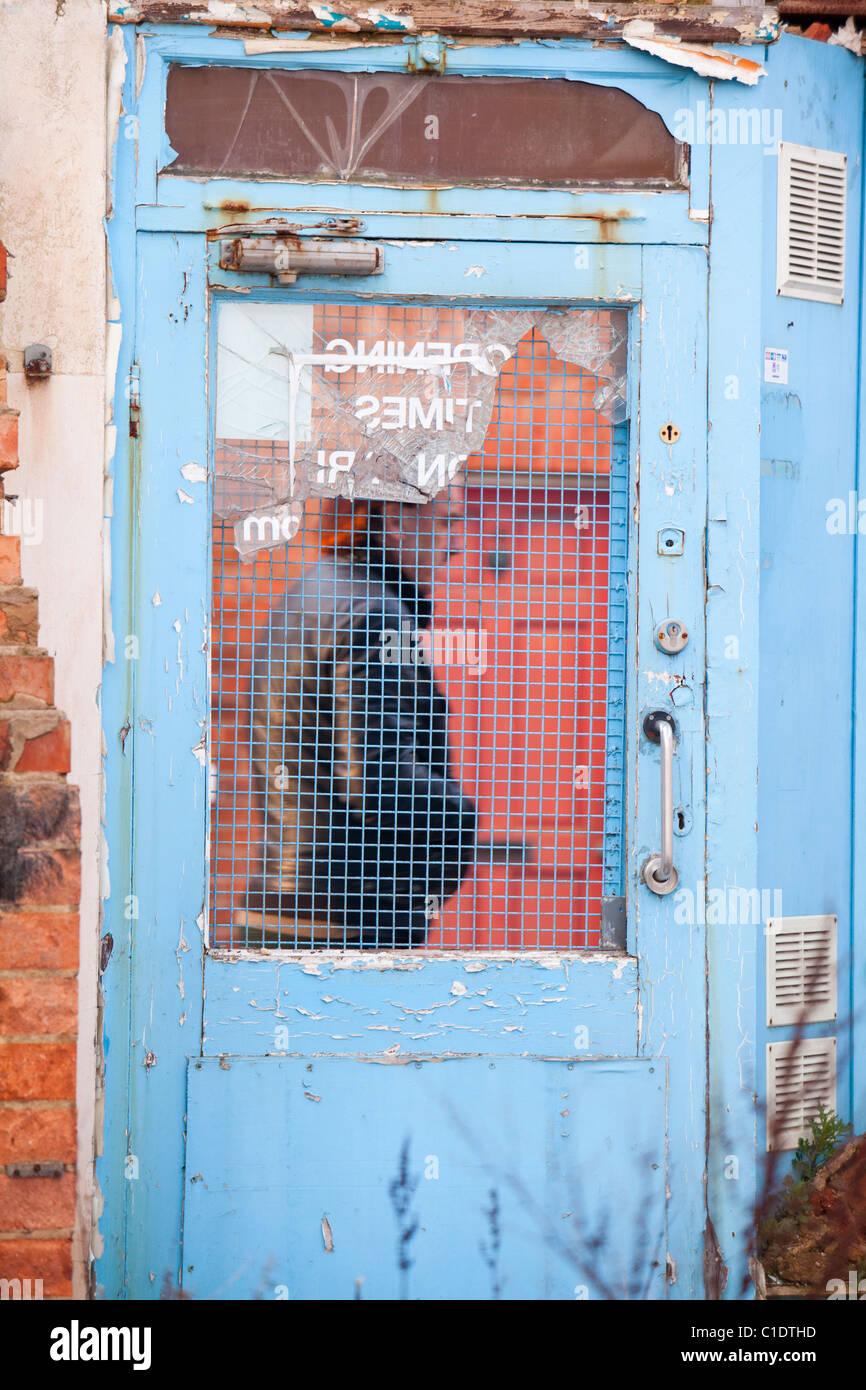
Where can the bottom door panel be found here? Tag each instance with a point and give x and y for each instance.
(468, 1178)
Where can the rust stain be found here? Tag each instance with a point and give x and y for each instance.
(336, 226)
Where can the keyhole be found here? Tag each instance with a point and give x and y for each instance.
(670, 432)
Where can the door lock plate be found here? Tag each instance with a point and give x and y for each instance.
(671, 541)
(671, 636)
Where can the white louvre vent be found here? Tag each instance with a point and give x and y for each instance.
(801, 1077)
(810, 262)
(801, 970)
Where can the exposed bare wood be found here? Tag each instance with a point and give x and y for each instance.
(734, 22)
(836, 9)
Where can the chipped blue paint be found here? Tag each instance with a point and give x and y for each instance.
(390, 23)
(328, 17)
(606, 219)
(511, 1157)
(168, 718)
(323, 1003)
(611, 273)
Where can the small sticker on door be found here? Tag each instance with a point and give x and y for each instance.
(776, 365)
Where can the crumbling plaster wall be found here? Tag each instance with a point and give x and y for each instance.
(52, 202)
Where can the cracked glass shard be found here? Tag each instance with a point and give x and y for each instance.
(371, 401)
(597, 340)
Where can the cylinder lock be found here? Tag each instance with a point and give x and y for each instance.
(671, 636)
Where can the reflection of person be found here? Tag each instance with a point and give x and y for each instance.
(367, 834)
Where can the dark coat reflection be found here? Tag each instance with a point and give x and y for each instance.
(367, 832)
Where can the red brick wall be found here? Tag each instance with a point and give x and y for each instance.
(39, 890)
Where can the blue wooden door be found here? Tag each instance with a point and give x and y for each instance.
(514, 1116)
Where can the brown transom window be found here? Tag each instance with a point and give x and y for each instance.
(380, 127)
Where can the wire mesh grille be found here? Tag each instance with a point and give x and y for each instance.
(417, 711)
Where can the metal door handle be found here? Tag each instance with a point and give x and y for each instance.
(659, 872)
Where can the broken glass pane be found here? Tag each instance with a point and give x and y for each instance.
(376, 401)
